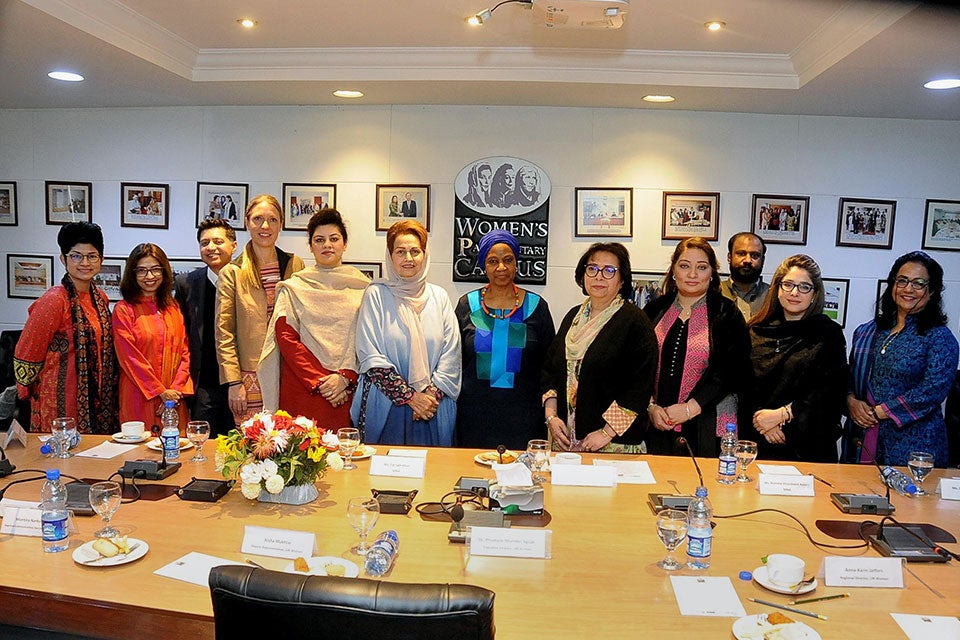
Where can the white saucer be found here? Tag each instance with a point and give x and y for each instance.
(363, 452)
(753, 627)
(317, 566)
(86, 555)
(119, 437)
(760, 577)
(157, 445)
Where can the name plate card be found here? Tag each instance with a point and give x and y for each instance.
(22, 521)
(408, 453)
(838, 571)
(785, 485)
(582, 475)
(949, 488)
(510, 543)
(279, 543)
(398, 466)
(15, 433)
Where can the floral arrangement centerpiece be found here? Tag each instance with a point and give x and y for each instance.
(274, 453)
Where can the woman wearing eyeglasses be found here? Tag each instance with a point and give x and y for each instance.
(800, 369)
(151, 340)
(599, 371)
(902, 364)
(65, 361)
(704, 352)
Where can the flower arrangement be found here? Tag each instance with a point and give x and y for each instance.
(274, 451)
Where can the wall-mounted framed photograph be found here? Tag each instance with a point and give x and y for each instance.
(647, 286)
(28, 276)
(68, 202)
(372, 270)
(941, 225)
(303, 200)
(396, 202)
(111, 270)
(8, 204)
(691, 214)
(780, 219)
(836, 293)
(222, 200)
(144, 205)
(603, 212)
(862, 222)
(184, 265)
(881, 289)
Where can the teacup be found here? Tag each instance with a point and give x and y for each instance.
(132, 430)
(785, 570)
(566, 457)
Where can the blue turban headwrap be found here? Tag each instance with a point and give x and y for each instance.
(497, 236)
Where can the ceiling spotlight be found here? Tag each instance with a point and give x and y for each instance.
(658, 98)
(65, 76)
(480, 17)
(247, 23)
(943, 83)
(715, 25)
(348, 93)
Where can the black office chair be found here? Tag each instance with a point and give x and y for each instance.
(250, 602)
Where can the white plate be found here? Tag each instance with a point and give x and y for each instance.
(157, 446)
(752, 628)
(489, 458)
(317, 566)
(86, 555)
(363, 452)
(119, 437)
(760, 577)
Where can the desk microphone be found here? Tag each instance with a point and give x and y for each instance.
(682, 442)
(500, 451)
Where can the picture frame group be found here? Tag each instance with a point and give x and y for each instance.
(780, 219)
(689, 214)
(603, 212)
(396, 202)
(222, 200)
(68, 202)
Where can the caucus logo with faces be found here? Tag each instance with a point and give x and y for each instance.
(502, 186)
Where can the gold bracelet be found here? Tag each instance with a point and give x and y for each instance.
(603, 430)
(686, 405)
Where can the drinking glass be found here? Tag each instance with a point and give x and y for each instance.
(349, 441)
(362, 514)
(920, 465)
(63, 432)
(197, 432)
(105, 500)
(746, 454)
(539, 451)
(672, 530)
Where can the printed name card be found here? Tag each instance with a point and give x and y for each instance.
(510, 543)
(582, 475)
(921, 627)
(15, 433)
(949, 488)
(279, 543)
(398, 466)
(838, 571)
(408, 453)
(22, 521)
(785, 485)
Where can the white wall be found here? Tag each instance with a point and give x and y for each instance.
(357, 147)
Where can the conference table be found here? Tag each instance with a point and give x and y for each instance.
(602, 579)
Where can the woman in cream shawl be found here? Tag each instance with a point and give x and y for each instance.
(308, 365)
(408, 343)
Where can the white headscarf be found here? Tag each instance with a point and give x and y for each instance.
(411, 293)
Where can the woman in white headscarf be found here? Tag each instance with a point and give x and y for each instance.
(408, 345)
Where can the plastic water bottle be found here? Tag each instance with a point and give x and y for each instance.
(382, 553)
(699, 532)
(898, 481)
(727, 468)
(170, 435)
(53, 516)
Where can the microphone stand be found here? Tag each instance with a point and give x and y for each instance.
(873, 457)
(682, 442)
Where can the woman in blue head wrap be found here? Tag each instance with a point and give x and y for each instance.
(505, 333)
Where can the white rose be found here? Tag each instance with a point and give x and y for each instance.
(268, 469)
(251, 473)
(330, 439)
(250, 490)
(303, 421)
(275, 484)
(334, 461)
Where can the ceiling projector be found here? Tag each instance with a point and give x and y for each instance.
(580, 14)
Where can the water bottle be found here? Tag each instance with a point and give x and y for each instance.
(699, 532)
(53, 516)
(727, 468)
(898, 481)
(382, 553)
(170, 435)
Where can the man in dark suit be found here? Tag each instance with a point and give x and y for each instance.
(196, 292)
(409, 206)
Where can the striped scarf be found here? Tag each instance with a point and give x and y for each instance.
(698, 346)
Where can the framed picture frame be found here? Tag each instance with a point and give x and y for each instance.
(68, 202)
(647, 286)
(780, 219)
(603, 212)
(144, 205)
(184, 265)
(302, 200)
(836, 294)
(941, 225)
(372, 270)
(225, 200)
(111, 270)
(396, 202)
(28, 276)
(862, 222)
(688, 214)
(8, 204)
(881, 289)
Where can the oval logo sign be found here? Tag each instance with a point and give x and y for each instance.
(502, 186)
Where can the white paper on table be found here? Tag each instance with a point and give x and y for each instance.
(514, 474)
(706, 596)
(17, 504)
(408, 453)
(920, 627)
(193, 568)
(106, 450)
(630, 471)
(779, 469)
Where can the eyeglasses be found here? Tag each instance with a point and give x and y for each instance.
(77, 258)
(143, 272)
(607, 272)
(789, 285)
(917, 283)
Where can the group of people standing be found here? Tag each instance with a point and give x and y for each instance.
(395, 358)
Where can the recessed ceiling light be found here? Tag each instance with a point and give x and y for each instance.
(66, 76)
(715, 25)
(247, 23)
(348, 93)
(658, 98)
(943, 83)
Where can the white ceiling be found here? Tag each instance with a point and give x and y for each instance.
(817, 57)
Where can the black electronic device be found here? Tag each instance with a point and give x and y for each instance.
(204, 490)
(897, 542)
(862, 503)
(459, 528)
(661, 501)
(148, 469)
(78, 498)
(480, 486)
(399, 502)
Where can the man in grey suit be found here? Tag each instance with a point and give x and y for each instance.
(196, 292)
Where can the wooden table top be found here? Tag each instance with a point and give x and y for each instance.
(601, 580)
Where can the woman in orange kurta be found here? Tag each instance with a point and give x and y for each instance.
(150, 339)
